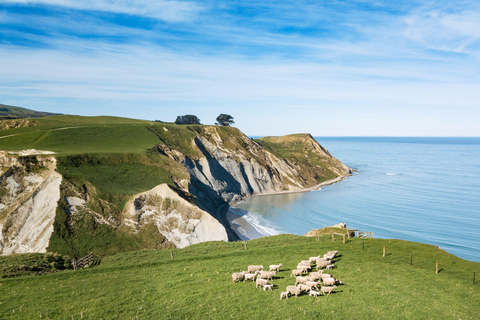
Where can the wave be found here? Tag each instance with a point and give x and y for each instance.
(390, 174)
(261, 225)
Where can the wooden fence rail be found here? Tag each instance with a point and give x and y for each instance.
(83, 262)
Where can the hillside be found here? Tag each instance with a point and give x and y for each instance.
(127, 184)
(197, 284)
(10, 112)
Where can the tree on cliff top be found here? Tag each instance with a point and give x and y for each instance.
(224, 120)
(187, 119)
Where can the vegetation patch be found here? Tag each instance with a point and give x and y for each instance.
(33, 264)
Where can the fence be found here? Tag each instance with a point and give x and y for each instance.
(83, 262)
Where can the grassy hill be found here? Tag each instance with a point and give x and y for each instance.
(10, 112)
(197, 284)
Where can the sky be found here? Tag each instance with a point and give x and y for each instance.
(329, 68)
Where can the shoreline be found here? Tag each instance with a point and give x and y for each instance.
(247, 230)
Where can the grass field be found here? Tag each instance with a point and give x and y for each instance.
(197, 284)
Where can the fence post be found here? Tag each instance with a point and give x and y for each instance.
(348, 233)
(384, 251)
(333, 236)
(436, 268)
(171, 254)
(245, 244)
(343, 238)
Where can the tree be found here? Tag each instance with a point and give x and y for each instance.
(187, 119)
(224, 120)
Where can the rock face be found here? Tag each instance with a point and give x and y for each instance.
(30, 192)
(180, 221)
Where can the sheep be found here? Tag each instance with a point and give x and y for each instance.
(238, 276)
(316, 275)
(302, 280)
(267, 274)
(283, 294)
(267, 287)
(260, 283)
(312, 284)
(312, 259)
(322, 264)
(325, 275)
(327, 289)
(304, 287)
(296, 272)
(306, 262)
(332, 253)
(330, 266)
(293, 290)
(329, 281)
(304, 268)
(254, 268)
(313, 293)
(249, 276)
(275, 267)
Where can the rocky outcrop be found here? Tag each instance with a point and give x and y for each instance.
(180, 221)
(30, 190)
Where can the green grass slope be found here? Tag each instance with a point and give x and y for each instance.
(10, 112)
(197, 284)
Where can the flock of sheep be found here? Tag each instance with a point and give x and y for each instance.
(315, 280)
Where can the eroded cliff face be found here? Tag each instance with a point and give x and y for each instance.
(180, 221)
(29, 192)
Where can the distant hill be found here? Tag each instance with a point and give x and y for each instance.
(10, 112)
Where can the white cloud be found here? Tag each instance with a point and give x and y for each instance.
(168, 10)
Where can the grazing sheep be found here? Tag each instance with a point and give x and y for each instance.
(304, 268)
(327, 289)
(238, 276)
(292, 290)
(325, 275)
(296, 272)
(267, 287)
(312, 284)
(302, 280)
(254, 268)
(313, 293)
(306, 263)
(275, 267)
(283, 294)
(260, 283)
(304, 287)
(316, 275)
(332, 253)
(249, 276)
(322, 264)
(329, 281)
(267, 274)
(330, 266)
(312, 259)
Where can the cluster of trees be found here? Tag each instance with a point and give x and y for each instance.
(222, 120)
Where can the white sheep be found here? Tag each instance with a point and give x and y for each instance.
(260, 283)
(327, 289)
(275, 267)
(332, 253)
(292, 290)
(267, 287)
(238, 276)
(283, 294)
(314, 293)
(267, 274)
(302, 280)
(249, 276)
(306, 262)
(254, 268)
(330, 266)
(312, 284)
(329, 281)
(304, 287)
(304, 268)
(312, 259)
(316, 275)
(322, 264)
(296, 272)
(325, 275)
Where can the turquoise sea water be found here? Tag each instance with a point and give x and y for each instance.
(418, 189)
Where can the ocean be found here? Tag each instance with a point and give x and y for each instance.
(418, 189)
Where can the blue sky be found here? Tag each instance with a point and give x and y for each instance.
(330, 68)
